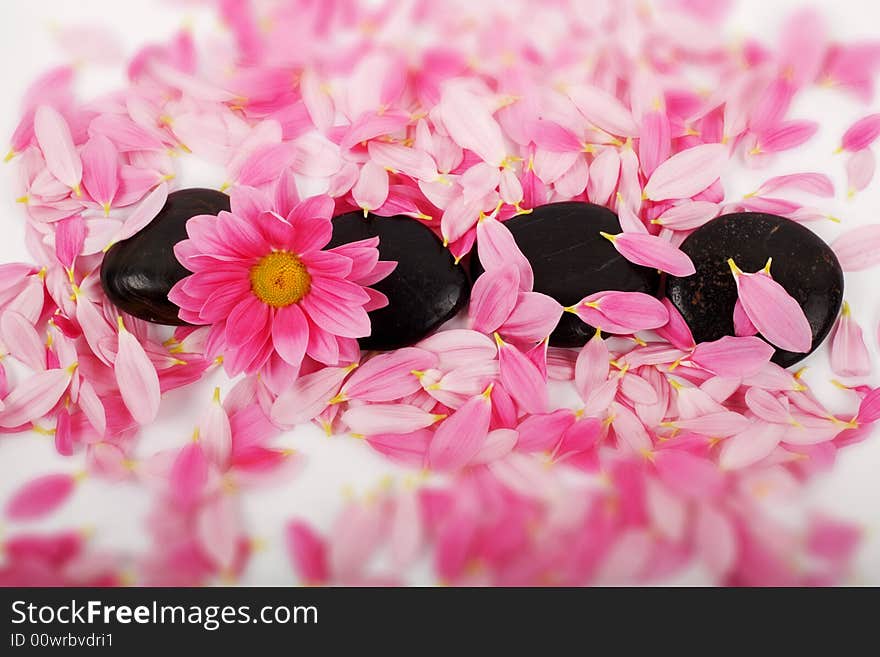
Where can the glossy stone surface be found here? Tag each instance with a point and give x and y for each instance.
(802, 263)
(138, 273)
(425, 290)
(571, 260)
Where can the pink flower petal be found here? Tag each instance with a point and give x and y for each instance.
(34, 397)
(100, 162)
(493, 298)
(459, 437)
(622, 312)
(862, 134)
(817, 184)
(469, 122)
(497, 248)
(136, 377)
(652, 251)
(860, 169)
(308, 396)
(776, 315)
(687, 173)
(521, 378)
(189, 475)
(849, 355)
(53, 136)
(733, 356)
(308, 552)
(750, 446)
(388, 418)
(215, 433)
(390, 376)
(859, 248)
(39, 497)
(603, 110)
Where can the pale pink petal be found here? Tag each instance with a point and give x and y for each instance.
(862, 134)
(371, 189)
(136, 377)
(750, 446)
(390, 376)
(457, 347)
(39, 497)
(22, 340)
(497, 248)
(100, 162)
(468, 121)
(849, 355)
(592, 365)
(125, 134)
(387, 418)
(720, 424)
(817, 184)
(218, 531)
(401, 159)
(859, 248)
(785, 136)
(655, 142)
(459, 437)
(143, 214)
(498, 444)
(776, 315)
(733, 356)
(860, 169)
(53, 136)
(308, 396)
(742, 325)
(603, 110)
(687, 173)
(768, 406)
(622, 312)
(493, 297)
(70, 238)
(652, 251)
(215, 433)
(521, 378)
(533, 318)
(629, 429)
(715, 541)
(803, 46)
(604, 175)
(34, 397)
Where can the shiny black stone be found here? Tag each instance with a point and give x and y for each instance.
(138, 273)
(426, 288)
(571, 260)
(802, 263)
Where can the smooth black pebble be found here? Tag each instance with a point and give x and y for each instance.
(138, 273)
(802, 263)
(571, 260)
(426, 288)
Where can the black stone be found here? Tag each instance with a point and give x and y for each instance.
(426, 288)
(138, 273)
(802, 263)
(571, 260)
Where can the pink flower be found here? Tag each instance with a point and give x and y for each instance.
(267, 289)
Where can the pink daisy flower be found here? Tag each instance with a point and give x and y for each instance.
(268, 291)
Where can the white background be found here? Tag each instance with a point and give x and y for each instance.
(339, 466)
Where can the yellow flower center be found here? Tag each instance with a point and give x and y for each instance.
(280, 279)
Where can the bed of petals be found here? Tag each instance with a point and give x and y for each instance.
(626, 461)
